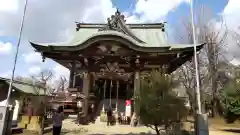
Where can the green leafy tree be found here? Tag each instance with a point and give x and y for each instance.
(231, 93)
(158, 105)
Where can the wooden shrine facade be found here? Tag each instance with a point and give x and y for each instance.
(115, 50)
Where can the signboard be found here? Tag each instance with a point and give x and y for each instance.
(128, 108)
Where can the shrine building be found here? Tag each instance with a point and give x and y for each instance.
(107, 60)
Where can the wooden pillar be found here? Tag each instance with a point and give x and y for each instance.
(110, 98)
(136, 90)
(86, 83)
(104, 94)
(117, 96)
(71, 76)
(116, 110)
(136, 87)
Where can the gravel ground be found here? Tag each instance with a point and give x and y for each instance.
(70, 128)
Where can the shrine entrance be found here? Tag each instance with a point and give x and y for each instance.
(113, 93)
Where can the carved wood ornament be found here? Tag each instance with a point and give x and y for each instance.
(112, 70)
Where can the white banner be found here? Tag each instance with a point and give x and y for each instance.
(128, 109)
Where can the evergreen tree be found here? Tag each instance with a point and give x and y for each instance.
(158, 105)
(231, 93)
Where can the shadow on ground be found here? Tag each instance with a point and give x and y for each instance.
(232, 130)
(47, 130)
(128, 134)
(141, 133)
(63, 133)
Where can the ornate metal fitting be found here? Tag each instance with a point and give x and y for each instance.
(85, 74)
(97, 58)
(137, 61)
(126, 58)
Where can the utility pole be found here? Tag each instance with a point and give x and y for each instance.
(6, 111)
(201, 119)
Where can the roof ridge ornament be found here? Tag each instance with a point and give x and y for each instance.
(112, 22)
(117, 23)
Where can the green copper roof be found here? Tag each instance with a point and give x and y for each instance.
(151, 37)
(82, 35)
(25, 87)
(30, 89)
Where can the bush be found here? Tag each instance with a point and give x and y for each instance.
(230, 117)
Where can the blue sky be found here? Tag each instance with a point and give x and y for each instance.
(28, 60)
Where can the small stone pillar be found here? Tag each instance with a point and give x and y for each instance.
(86, 84)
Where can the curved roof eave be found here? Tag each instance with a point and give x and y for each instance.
(107, 35)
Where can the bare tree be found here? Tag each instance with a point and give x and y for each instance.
(43, 78)
(62, 83)
(236, 36)
(187, 78)
(215, 40)
(213, 35)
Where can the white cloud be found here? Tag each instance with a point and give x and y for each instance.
(232, 18)
(231, 14)
(99, 12)
(9, 5)
(34, 70)
(232, 7)
(235, 62)
(6, 74)
(59, 70)
(5, 48)
(32, 58)
(155, 10)
(133, 19)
